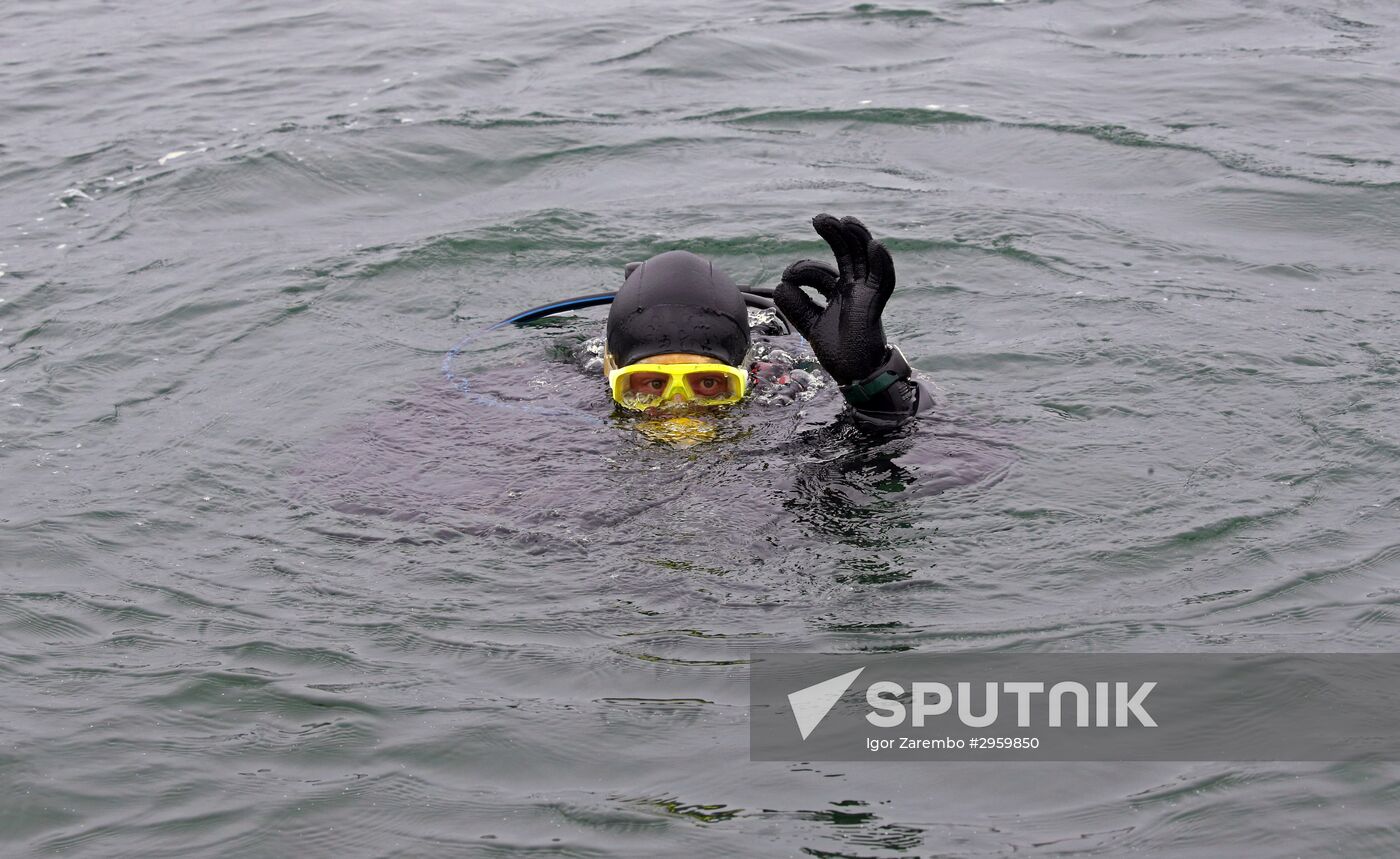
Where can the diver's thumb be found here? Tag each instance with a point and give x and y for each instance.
(797, 306)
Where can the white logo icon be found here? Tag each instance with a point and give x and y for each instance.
(810, 705)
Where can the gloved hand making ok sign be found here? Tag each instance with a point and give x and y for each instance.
(846, 334)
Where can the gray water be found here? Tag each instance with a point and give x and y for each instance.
(270, 586)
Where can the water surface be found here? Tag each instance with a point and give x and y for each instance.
(268, 583)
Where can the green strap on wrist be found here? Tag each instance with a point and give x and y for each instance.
(894, 369)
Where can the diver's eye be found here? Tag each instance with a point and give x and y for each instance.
(712, 385)
(647, 383)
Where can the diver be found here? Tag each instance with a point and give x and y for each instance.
(678, 334)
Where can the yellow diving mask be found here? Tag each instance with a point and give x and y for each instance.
(645, 386)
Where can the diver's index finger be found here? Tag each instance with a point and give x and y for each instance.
(831, 229)
(818, 275)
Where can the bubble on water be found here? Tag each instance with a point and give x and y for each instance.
(171, 156)
(678, 432)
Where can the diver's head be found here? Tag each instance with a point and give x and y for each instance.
(678, 332)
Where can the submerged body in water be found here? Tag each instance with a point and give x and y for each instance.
(782, 460)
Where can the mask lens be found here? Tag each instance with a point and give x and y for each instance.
(647, 384)
(709, 386)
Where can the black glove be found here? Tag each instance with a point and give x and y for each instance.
(846, 334)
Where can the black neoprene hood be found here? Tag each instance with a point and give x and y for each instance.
(678, 302)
